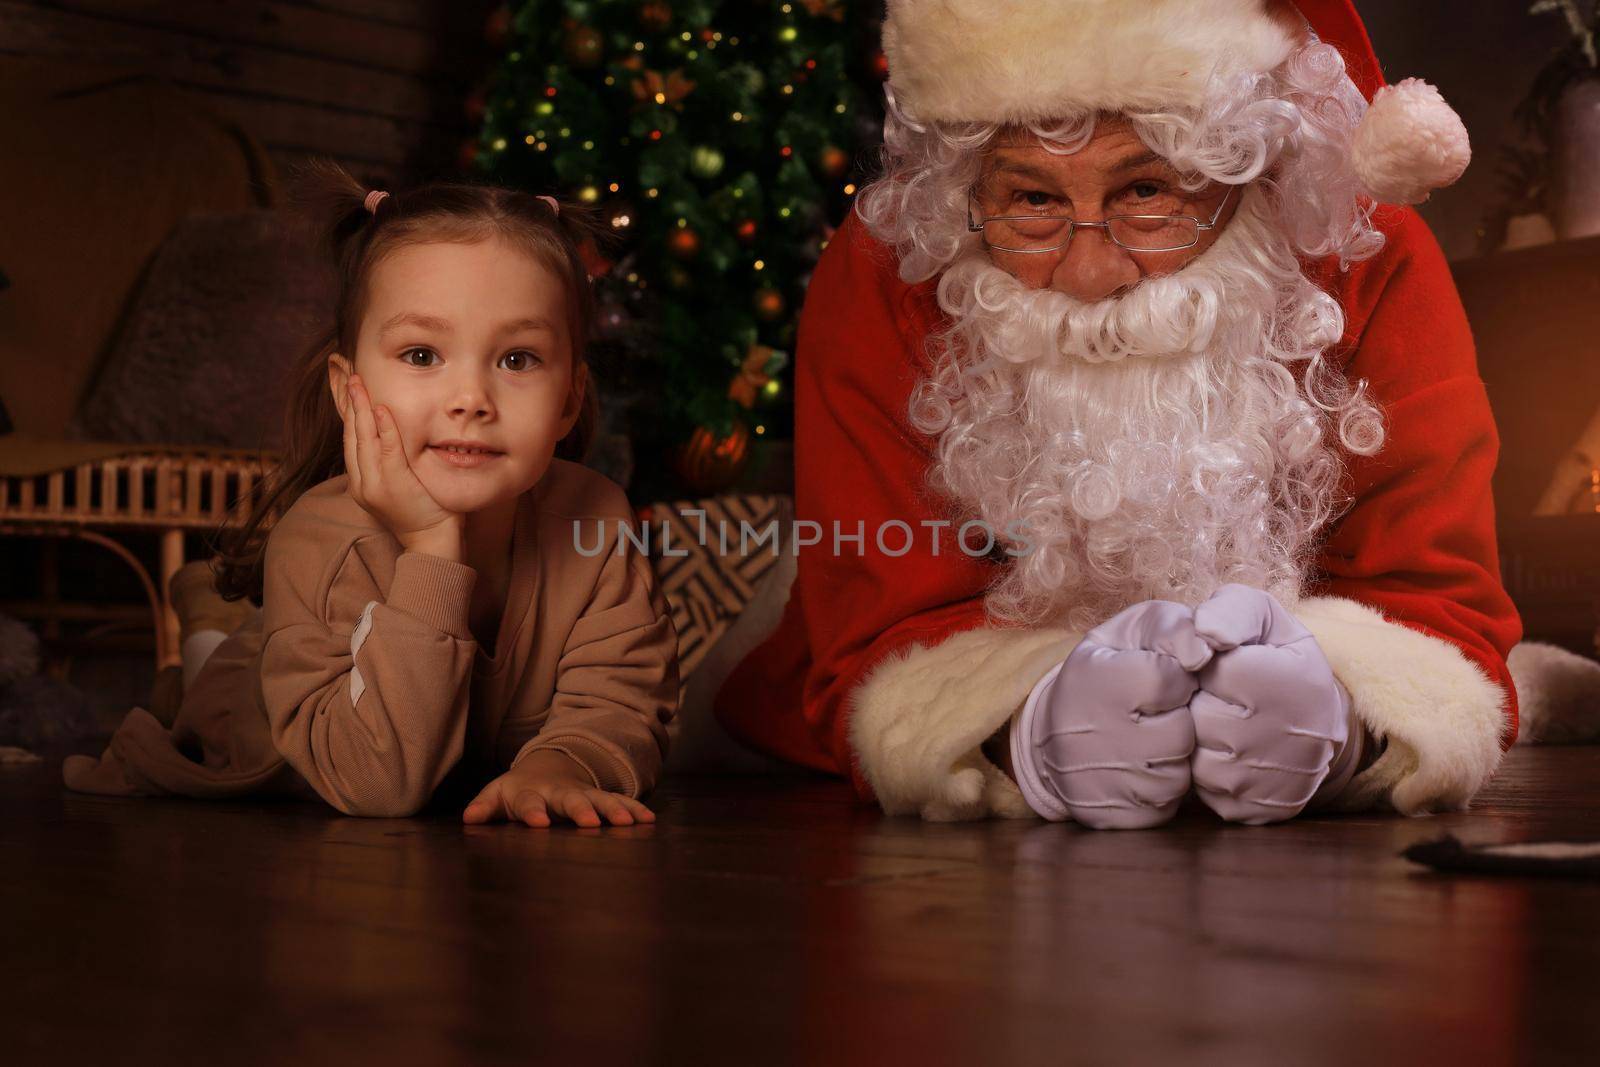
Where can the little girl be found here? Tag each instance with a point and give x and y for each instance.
(424, 602)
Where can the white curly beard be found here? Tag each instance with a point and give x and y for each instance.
(1153, 446)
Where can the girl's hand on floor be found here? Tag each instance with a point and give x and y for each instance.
(547, 785)
(382, 481)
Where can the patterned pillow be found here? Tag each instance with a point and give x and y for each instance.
(710, 556)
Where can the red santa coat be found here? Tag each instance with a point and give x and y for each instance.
(887, 668)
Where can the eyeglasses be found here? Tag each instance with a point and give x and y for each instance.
(1048, 233)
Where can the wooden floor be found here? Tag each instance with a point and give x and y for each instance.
(775, 921)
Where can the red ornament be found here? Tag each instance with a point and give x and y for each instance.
(752, 376)
(880, 65)
(655, 16)
(745, 230)
(595, 264)
(769, 305)
(497, 28)
(652, 88)
(709, 464)
(476, 104)
(831, 9)
(467, 155)
(835, 161)
(684, 243)
(584, 47)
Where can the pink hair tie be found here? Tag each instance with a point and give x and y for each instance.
(555, 207)
(374, 198)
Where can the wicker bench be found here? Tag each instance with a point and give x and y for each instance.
(171, 491)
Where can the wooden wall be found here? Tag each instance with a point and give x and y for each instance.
(376, 84)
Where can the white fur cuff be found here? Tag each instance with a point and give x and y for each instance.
(922, 716)
(1442, 717)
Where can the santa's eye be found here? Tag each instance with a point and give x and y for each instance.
(1036, 198)
(419, 357)
(1145, 190)
(520, 360)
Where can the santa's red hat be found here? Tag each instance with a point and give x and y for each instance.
(1025, 61)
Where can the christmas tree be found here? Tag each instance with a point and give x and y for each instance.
(718, 141)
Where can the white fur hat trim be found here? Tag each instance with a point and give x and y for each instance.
(1409, 144)
(1033, 60)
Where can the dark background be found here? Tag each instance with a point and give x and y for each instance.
(377, 84)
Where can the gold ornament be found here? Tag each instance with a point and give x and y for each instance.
(619, 216)
(705, 161)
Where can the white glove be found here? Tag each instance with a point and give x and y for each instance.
(1272, 724)
(1105, 738)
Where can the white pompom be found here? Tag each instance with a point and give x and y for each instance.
(1410, 143)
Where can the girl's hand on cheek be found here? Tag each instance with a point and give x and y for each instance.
(545, 786)
(382, 481)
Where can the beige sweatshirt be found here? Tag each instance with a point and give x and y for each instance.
(361, 679)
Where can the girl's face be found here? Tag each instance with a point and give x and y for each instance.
(467, 345)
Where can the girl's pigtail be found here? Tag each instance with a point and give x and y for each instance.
(581, 225)
(313, 452)
(332, 205)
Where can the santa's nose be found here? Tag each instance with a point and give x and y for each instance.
(1094, 267)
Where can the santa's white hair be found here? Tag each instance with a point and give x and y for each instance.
(1174, 438)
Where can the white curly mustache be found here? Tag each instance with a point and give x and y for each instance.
(1155, 446)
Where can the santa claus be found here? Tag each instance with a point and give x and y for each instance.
(1187, 421)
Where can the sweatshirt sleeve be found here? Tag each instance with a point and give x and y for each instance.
(366, 694)
(617, 682)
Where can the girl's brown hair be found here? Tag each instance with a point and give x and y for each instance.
(334, 206)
